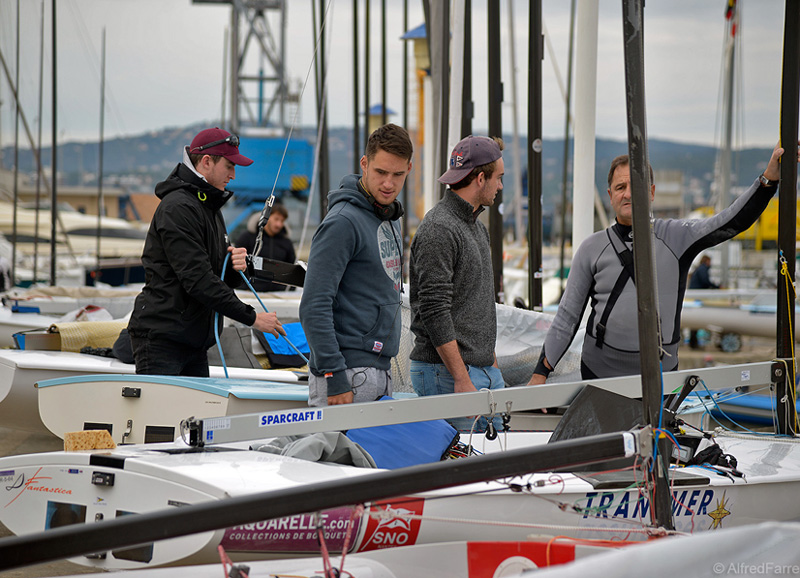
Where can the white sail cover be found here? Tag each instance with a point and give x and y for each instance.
(768, 549)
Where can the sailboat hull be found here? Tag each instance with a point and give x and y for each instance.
(45, 490)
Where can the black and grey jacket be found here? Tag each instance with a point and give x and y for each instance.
(597, 266)
(183, 255)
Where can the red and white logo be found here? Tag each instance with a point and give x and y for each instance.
(396, 529)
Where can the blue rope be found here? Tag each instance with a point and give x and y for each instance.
(216, 319)
(660, 414)
(726, 416)
(285, 338)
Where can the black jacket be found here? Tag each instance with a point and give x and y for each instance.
(279, 248)
(183, 257)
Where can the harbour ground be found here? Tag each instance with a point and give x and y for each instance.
(13, 442)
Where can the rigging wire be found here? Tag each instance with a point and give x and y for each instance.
(790, 300)
(265, 212)
(216, 319)
(93, 59)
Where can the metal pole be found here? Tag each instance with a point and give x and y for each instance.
(234, 118)
(536, 55)
(724, 180)
(495, 129)
(324, 160)
(467, 106)
(516, 177)
(356, 144)
(39, 151)
(16, 166)
(564, 197)
(787, 209)
(54, 160)
(383, 63)
(444, 114)
(406, 235)
(100, 208)
(643, 255)
(367, 52)
(225, 48)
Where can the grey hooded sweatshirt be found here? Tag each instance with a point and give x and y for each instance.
(350, 309)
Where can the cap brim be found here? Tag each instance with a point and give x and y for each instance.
(453, 176)
(240, 160)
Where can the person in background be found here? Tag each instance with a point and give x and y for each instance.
(172, 324)
(700, 279)
(5, 274)
(350, 309)
(453, 315)
(275, 243)
(602, 274)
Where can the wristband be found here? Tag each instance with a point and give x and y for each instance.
(541, 368)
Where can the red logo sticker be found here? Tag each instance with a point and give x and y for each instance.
(395, 529)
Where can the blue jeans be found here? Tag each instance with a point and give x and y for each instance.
(165, 357)
(434, 379)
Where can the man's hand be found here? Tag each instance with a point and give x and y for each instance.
(537, 379)
(341, 399)
(269, 323)
(464, 385)
(773, 170)
(238, 258)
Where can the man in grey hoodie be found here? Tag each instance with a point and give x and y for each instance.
(453, 314)
(350, 309)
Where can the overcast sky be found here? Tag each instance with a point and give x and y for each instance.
(165, 65)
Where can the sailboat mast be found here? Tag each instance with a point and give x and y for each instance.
(787, 223)
(54, 159)
(495, 129)
(356, 128)
(38, 154)
(564, 181)
(534, 157)
(100, 207)
(725, 164)
(643, 254)
(16, 165)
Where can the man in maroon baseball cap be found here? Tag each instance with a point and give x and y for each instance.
(172, 324)
(218, 142)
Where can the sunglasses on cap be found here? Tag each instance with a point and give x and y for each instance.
(232, 139)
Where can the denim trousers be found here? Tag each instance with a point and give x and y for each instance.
(165, 357)
(435, 379)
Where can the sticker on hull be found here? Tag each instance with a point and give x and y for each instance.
(392, 527)
(292, 534)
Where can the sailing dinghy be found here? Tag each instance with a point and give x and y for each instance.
(220, 466)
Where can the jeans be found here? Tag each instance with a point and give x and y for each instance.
(435, 379)
(165, 357)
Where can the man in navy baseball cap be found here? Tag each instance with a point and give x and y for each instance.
(470, 153)
(453, 315)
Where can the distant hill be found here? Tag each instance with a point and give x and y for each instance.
(142, 160)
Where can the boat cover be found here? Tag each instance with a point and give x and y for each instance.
(766, 549)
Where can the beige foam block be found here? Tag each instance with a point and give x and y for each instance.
(98, 439)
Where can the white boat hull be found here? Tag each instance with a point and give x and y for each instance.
(39, 491)
(149, 408)
(20, 370)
